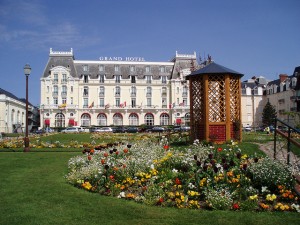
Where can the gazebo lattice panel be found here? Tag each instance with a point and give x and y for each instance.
(216, 98)
(197, 110)
(235, 108)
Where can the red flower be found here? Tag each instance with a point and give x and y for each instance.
(125, 150)
(235, 206)
(177, 181)
(105, 154)
(219, 149)
(166, 147)
(102, 161)
(89, 157)
(111, 177)
(117, 152)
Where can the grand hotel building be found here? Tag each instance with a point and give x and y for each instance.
(131, 91)
(115, 91)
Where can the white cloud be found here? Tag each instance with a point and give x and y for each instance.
(24, 24)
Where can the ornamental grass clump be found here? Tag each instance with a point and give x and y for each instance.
(197, 177)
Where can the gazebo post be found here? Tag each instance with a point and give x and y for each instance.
(227, 100)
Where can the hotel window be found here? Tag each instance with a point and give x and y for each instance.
(133, 79)
(55, 101)
(85, 68)
(117, 100)
(164, 79)
(118, 79)
(133, 120)
(117, 120)
(64, 101)
(148, 79)
(133, 91)
(48, 89)
(64, 78)
(85, 78)
(101, 78)
(85, 91)
(101, 120)
(55, 78)
(149, 92)
(71, 100)
(101, 68)
(118, 91)
(101, 102)
(102, 91)
(55, 90)
(164, 102)
(147, 69)
(164, 119)
(64, 90)
(85, 103)
(164, 91)
(149, 119)
(71, 89)
(48, 101)
(162, 69)
(133, 103)
(184, 91)
(149, 102)
(116, 68)
(85, 120)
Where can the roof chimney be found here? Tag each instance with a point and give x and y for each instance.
(283, 77)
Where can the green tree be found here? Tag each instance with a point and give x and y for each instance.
(269, 114)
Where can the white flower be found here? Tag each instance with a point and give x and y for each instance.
(174, 170)
(152, 166)
(121, 195)
(296, 207)
(264, 189)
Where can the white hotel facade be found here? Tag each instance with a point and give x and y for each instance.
(130, 91)
(114, 91)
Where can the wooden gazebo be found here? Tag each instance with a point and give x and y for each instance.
(215, 104)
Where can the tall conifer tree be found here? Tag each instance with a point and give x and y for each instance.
(269, 114)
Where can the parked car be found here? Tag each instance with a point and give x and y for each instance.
(247, 129)
(119, 129)
(71, 130)
(157, 129)
(132, 130)
(181, 128)
(102, 129)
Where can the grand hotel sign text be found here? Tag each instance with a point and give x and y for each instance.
(135, 59)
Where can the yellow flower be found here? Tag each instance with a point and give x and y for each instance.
(87, 185)
(253, 197)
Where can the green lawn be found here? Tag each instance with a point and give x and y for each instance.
(34, 191)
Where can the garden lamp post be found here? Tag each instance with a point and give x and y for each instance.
(27, 70)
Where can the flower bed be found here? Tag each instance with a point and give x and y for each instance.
(197, 177)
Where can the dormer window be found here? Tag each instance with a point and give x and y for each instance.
(147, 69)
(101, 68)
(132, 68)
(162, 69)
(133, 79)
(116, 68)
(85, 68)
(85, 79)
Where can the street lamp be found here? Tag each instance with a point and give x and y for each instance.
(27, 70)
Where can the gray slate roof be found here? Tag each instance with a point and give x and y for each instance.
(214, 68)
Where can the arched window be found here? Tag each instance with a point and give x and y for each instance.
(164, 119)
(149, 119)
(117, 119)
(133, 119)
(12, 116)
(59, 120)
(18, 117)
(187, 119)
(85, 120)
(101, 119)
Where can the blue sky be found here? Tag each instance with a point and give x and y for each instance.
(254, 37)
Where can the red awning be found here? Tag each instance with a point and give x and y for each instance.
(71, 122)
(178, 121)
(47, 122)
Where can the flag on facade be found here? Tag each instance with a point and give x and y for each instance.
(62, 106)
(91, 105)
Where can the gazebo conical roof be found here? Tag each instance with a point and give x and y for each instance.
(214, 68)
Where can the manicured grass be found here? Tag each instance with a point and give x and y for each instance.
(34, 191)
